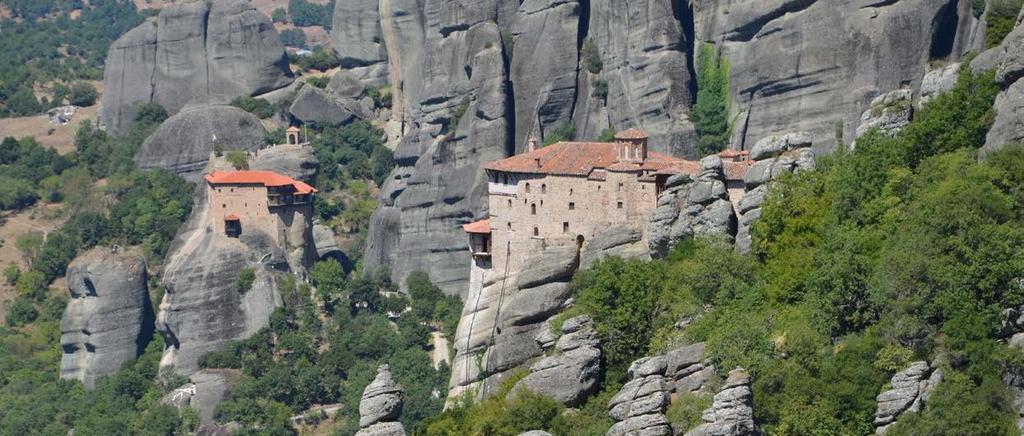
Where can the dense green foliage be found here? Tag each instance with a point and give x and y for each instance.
(355, 151)
(45, 46)
(563, 131)
(305, 13)
(710, 113)
(293, 38)
(321, 59)
(1001, 18)
(591, 56)
(256, 106)
(907, 248)
(285, 372)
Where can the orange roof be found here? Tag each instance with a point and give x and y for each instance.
(292, 129)
(631, 134)
(231, 217)
(580, 159)
(733, 153)
(482, 226)
(265, 178)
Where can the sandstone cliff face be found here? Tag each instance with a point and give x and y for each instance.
(516, 69)
(195, 52)
(108, 320)
(810, 64)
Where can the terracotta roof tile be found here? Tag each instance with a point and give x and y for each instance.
(579, 159)
(482, 226)
(265, 178)
(231, 217)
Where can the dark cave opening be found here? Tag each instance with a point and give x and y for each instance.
(944, 33)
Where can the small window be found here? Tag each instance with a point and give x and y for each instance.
(536, 231)
(565, 227)
(510, 203)
(527, 188)
(232, 189)
(620, 205)
(533, 209)
(620, 186)
(509, 225)
(570, 191)
(572, 206)
(218, 190)
(224, 206)
(544, 188)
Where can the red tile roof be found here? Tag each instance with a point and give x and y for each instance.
(482, 226)
(581, 158)
(265, 178)
(731, 154)
(231, 217)
(631, 134)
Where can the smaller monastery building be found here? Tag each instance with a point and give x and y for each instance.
(248, 201)
(567, 193)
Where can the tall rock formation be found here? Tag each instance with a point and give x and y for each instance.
(811, 65)
(194, 52)
(381, 406)
(109, 319)
(1008, 61)
(692, 206)
(203, 308)
(909, 392)
(732, 412)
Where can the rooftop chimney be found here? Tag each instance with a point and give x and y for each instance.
(531, 144)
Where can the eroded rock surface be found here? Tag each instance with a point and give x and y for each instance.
(109, 319)
(889, 113)
(732, 412)
(692, 206)
(184, 142)
(193, 53)
(381, 406)
(910, 391)
(810, 64)
(1008, 61)
(569, 376)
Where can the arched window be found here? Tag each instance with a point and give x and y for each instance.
(527, 188)
(533, 209)
(544, 188)
(536, 231)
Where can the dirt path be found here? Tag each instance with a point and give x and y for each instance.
(440, 352)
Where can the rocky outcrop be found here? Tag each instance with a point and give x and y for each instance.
(774, 156)
(692, 206)
(810, 64)
(193, 53)
(1008, 61)
(108, 320)
(504, 326)
(909, 392)
(732, 412)
(639, 407)
(621, 240)
(203, 309)
(937, 81)
(314, 105)
(205, 390)
(645, 50)
(295, 161)
(357, 37)
(889, 113)
(570, 375)
(381, 406)
(184, 142)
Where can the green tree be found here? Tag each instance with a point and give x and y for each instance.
(82, 94)
(246, 276)
(711, 111)
(238, 159)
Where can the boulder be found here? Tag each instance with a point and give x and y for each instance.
(909, 391)
(553, 264)
(297, 162)
(620, 240)
(315, 105)
(937, 81)
(569, 376)
(193, 53)
(1007, 127)
(383, 429)
(205, 390)
(185, 141)
(698, 208)
(533, 305)
(732, 412)
(109, 319)
(382, 400)
(889, 113)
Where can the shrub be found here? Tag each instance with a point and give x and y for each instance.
(600, 89)
(591, 57)
(711, 110)
(11, 273)
(82, 94)
(21, 312)
(685, 412)
(32, 284)
(563, 131)
(246, 276)
(318, 81)
(256, 106)
(1001, 19)
(237, 159)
